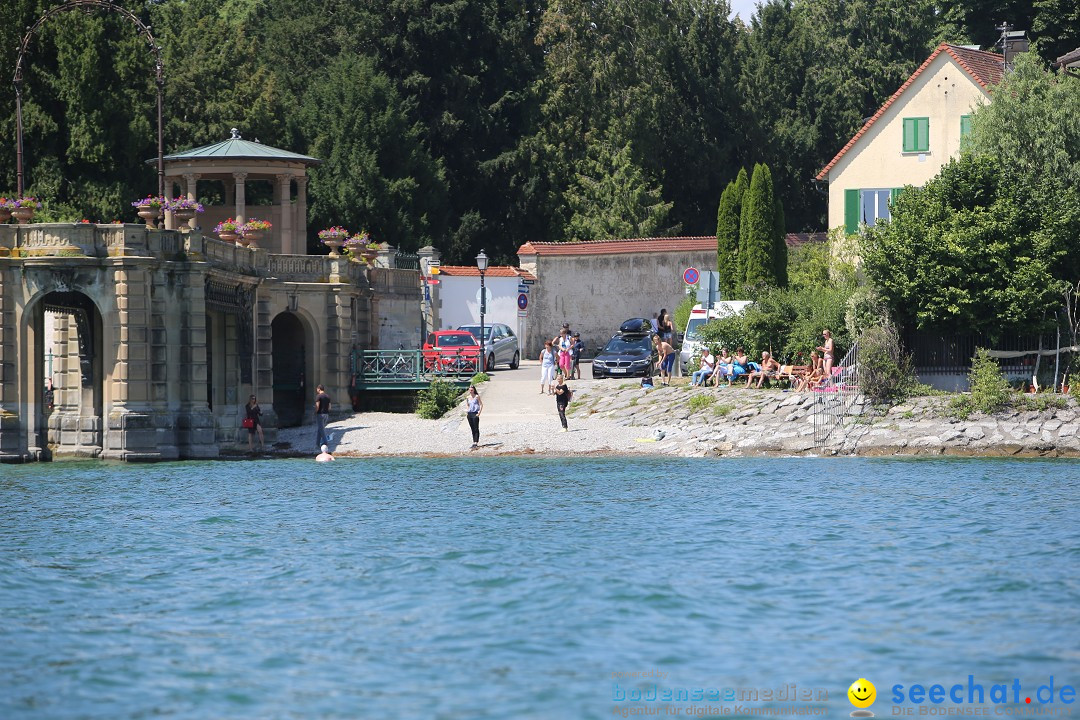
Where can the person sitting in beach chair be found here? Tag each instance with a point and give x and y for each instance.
(814, 376)
(769, 368)
(723, 366)
(740, 364)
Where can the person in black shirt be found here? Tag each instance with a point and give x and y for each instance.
(562, 398)
(322, 416)
(253, 413)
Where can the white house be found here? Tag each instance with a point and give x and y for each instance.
(911, 137)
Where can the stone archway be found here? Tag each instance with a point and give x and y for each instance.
(63, 378)
(291, 343)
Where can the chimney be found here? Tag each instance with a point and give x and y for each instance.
(1013, 42)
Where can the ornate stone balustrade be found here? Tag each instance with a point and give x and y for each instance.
(392, 281)
(300, 268)
(87, 240)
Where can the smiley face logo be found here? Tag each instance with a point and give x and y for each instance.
(862, 693)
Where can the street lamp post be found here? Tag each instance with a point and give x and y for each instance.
(482, 265)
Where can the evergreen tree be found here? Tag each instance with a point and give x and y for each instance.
(376, 174)
(610, 198)
(727, 242)
(758, 230)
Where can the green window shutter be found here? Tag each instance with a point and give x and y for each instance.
(965, 125)
(894, 193)
(917, 134)
(851, 211)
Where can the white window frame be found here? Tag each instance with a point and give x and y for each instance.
(874, 205)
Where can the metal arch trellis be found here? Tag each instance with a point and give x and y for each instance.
(159, 66)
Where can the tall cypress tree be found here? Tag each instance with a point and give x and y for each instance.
(757, 229)
(727, 241)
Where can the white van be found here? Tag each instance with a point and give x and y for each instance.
(691, 345)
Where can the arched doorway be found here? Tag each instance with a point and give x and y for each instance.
(64, 397)
(289, 355)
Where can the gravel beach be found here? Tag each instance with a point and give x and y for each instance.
(517, 419)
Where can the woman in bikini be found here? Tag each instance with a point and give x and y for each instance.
(828, 351)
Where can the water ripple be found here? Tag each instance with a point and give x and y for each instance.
(514, 588)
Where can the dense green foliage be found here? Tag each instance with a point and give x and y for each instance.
(759, 237)
(728, 215)
(786, 322)
(436, 400)
(470, 123)
(970, 251)
(751, 252)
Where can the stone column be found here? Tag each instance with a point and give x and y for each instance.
(430, 305)
(287, 244)
(264, 368)
(300, 238)
(191, 192)
(195, 423)
(130, 432)
(12, 433)
(336, 348)
(163, 308)
(241, 209)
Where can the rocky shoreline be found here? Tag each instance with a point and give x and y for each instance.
(606, 418)
(735, 422)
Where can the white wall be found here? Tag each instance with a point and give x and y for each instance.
(458, 306)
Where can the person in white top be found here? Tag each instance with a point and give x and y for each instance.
(708, 362)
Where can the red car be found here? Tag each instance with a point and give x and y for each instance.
(451, 351)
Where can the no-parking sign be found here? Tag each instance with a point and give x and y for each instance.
(690, 276)
(523, 301)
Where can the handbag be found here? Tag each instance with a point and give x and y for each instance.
(248, 423)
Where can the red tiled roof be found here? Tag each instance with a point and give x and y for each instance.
(492, 271)
(985, 68)
(621, 247)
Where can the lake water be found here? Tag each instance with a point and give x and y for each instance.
(526, 588)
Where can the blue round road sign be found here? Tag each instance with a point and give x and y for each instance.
(690, 276)
(523, 301)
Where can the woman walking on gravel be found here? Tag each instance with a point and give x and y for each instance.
(547, 369)
(474, 406)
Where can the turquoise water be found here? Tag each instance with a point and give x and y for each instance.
(517, 588)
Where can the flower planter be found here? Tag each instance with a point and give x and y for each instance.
(370, 255)
(5, 215)
(182, 216)
(23, 214)
(228, 236)
(252, 236)
(334, 244)
(150, 215)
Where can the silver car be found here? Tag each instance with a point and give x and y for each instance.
(500, 344)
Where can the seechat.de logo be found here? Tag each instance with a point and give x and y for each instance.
(862, 694)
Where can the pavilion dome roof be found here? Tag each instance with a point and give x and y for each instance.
(236, 148)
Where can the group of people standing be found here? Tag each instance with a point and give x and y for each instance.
(732, 366)
(561, 356)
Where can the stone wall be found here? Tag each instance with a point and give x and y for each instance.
(739, 422)
(397, 314)
(596, 292)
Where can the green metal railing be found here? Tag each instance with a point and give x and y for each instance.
(411, 369)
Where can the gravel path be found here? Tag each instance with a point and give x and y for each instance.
(517, 419)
